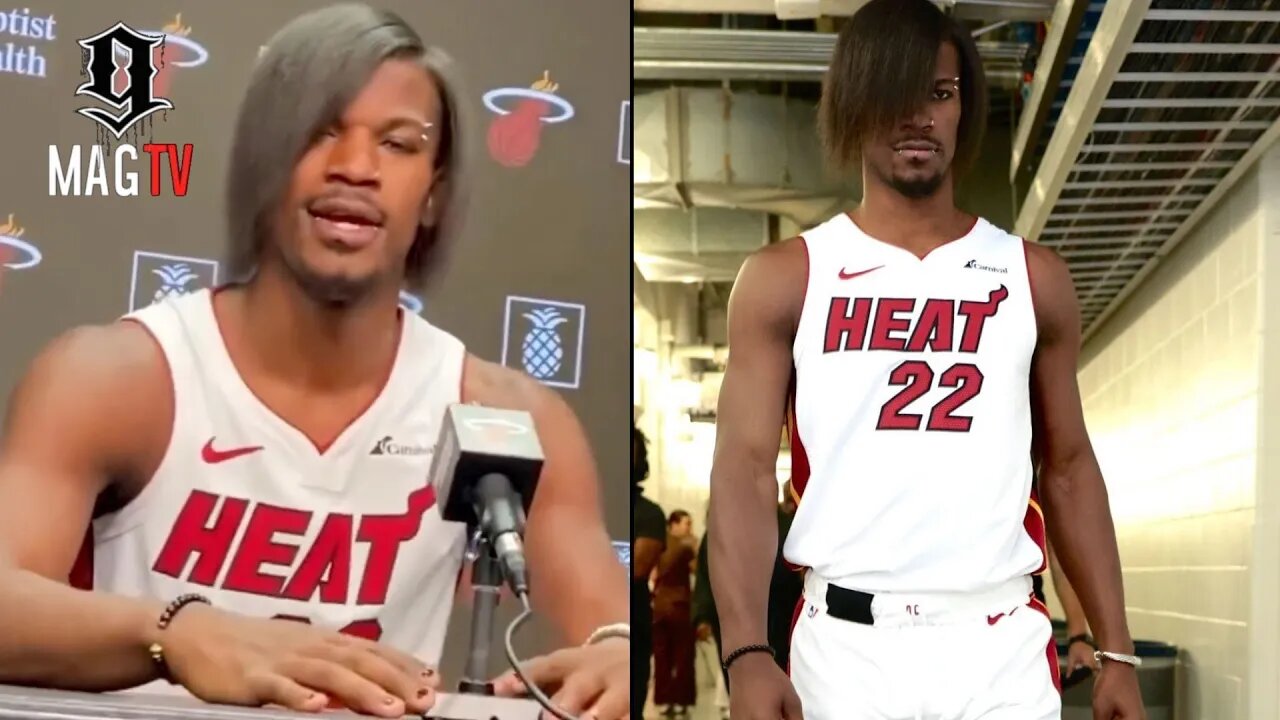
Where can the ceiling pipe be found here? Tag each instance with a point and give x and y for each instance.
(989, 10)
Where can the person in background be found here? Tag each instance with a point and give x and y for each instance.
(648, 539)
(674, 682)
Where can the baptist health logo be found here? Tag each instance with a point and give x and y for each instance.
(22, 56)
(548, 334)
(157, 276)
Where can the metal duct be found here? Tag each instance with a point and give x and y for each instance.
(987, 10)
(717, 148)
(697, 245)
(680, 312)
(706, 54)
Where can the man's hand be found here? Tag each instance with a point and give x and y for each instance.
(761, 691)
(1116, 695)
(595, 680)
(704, 632)
(1079, 655)
(224, 658)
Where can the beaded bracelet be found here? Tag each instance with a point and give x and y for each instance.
(744, 650)
(166, 617)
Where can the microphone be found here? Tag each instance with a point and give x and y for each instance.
(484, 471)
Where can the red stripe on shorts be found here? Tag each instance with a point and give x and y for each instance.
(1052, 651)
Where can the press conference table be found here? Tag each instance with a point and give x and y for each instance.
(32, 704)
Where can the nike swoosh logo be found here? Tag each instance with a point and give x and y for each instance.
(851, 275)
(993, 619)
(213, 457)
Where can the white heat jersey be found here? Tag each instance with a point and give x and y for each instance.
(910, 419)
(246, 510)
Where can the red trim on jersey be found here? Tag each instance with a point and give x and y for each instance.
(799, 459)
(795, 620)
(1033, 524)
(321, 448)
(962, 236)
(1051, 652)
(81, 575)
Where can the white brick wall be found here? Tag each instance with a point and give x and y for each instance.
(1170, 389)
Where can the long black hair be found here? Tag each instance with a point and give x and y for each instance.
(883, 71)
(309, 73)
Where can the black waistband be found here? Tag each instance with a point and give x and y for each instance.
(850, 605)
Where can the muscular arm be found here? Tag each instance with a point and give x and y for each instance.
(743, 525)
(1075, 497)
(1071, 607)
(576, 578)
(75, 420)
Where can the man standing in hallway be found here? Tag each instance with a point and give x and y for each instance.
(924, 361)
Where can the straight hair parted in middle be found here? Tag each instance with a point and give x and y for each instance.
(311, 70)
(883, 70)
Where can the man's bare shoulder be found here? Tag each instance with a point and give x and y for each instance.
(498, 386)
(787, 256)
(771, 284)
(1052, 289)
(1043, 260)
(107, 376)
(92, 355)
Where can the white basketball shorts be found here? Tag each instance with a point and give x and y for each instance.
(977, 656)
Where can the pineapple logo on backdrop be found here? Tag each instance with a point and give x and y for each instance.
(157, 276)
(544, 339)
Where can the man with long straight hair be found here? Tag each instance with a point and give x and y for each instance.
(253, 461)
(922, 360)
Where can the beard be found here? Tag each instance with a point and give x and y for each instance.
(329, 289)
(917, 188)
(914, 187)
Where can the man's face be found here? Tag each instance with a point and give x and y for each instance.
(359, 193)
(914, 157)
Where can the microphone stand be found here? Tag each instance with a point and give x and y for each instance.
(486, 583)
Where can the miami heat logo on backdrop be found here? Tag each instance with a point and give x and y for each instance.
(516, 133)
(15, 253)
(176, 50)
